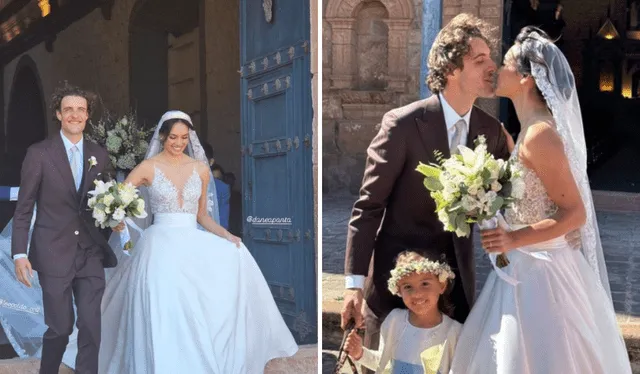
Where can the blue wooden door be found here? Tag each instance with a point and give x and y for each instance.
(277, 170)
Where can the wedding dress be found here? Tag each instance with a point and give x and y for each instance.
(557, 319)
(188, 301)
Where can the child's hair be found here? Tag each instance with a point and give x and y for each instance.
(420, 261)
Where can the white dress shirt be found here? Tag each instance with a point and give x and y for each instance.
(67, 146)
(451, 117)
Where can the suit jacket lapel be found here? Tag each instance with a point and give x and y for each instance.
(61, 162)
(433, 129)
(476, 128)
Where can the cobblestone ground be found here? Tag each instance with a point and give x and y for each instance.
(618, 231)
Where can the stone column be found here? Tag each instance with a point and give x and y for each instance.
(398, 39)
(343, 40)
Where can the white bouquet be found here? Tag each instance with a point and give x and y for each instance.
(113, 202)
(471, 187)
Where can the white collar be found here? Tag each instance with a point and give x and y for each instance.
(451, 117)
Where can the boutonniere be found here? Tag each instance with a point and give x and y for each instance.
(92, 162)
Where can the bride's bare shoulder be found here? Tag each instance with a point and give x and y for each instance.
(202, 169)
(147, 164)
(542, 141)
(542, 134)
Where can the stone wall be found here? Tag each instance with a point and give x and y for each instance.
(371, 64)
(372, 52)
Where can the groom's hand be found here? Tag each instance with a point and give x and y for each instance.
(352, 308)
(24, 271)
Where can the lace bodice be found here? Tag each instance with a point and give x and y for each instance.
(165, 196)
(536, 205)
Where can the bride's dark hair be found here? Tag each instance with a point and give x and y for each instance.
(527, 40)
(167, 126)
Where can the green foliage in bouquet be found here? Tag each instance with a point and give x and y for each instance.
(125, 139)
(471, 186)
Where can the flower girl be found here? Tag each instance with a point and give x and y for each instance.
(421, 339)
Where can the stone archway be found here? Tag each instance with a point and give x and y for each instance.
(26, 118)
(342, 16)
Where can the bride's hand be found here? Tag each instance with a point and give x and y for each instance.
(497, 240)
(119, 228)
(574, 239)
(234, 239)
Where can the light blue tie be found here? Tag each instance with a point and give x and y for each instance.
(74, 166)
(457, 136)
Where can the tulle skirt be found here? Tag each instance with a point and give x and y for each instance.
(188, 301)
(557, 319)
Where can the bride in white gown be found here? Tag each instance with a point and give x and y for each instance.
(187, 300)
(550, 309)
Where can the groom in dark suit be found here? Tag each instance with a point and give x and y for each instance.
(67, 250)
(395, 212)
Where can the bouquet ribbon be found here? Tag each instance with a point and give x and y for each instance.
(499, 220)
(124, 234)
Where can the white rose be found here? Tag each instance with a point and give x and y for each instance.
(108, 199)
(92, 202)
(107, 210)
(118, 215)
(99, 216)
(468, 203)
(140, 212)
(127, 194)
(496, 186)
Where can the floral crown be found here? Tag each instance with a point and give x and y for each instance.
(441, 270)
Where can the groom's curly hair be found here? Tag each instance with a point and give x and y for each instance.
(67, 89)
(452, 44)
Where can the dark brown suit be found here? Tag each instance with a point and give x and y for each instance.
(67, 250)
(393, 190)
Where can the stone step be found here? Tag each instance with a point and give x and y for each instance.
(305, 361)
(332, 333)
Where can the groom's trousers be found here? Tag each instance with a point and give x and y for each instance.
(86, 283)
